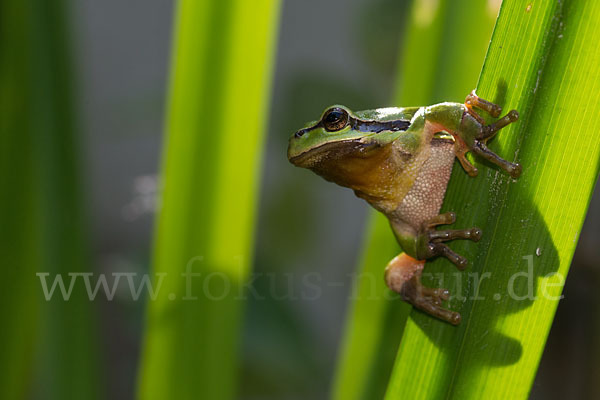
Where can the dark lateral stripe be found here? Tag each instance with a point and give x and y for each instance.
(378, 126)
(366, 126)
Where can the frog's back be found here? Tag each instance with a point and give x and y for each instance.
(388, 113)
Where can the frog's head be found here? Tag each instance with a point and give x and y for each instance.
(338, 133)
(319, 137)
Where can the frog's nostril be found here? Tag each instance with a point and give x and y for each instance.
(300, 132)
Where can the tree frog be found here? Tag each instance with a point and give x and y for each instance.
(399, 160)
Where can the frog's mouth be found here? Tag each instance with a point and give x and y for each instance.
(330, 151)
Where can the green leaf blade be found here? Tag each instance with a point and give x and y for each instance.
(437, 65)
(541, 61)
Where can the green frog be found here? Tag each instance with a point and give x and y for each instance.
(399, 160)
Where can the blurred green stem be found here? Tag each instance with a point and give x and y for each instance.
(43, 228)
(220, 87)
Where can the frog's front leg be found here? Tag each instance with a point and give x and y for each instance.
(473, 134)
(403, 275)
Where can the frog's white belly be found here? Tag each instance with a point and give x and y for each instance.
(424, 199)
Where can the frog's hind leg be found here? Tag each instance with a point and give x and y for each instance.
(403, 275)
(429, 242)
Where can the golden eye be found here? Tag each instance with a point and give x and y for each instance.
(335, 119)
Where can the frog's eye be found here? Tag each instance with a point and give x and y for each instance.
(335, 119)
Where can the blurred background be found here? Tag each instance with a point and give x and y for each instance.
(328, 52)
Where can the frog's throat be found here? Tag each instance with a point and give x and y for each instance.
(312, 157)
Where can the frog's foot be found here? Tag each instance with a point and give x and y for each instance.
(474, 129)
(403, 275)
(430, 243)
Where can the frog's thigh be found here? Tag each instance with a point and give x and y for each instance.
(400, 270)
